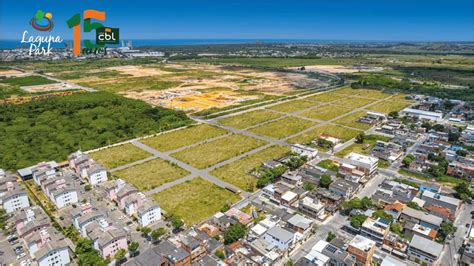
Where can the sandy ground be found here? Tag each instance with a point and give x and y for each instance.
(334, 69)
(12, 73)
(139, 71)
(47, 87)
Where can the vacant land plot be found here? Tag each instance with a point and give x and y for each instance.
(249, 119)
(119, 155)
(283, 127)
(374, 94)
(293, 106)
(194, 200)
(326, 112)
(339, 132)
(238, 173)
(353, 102)
(351, 120)
(363, 148)
(151, 174)
(389, 106)
(327, 97)
(208, 154)
(183, 137)
(329, 164)
(27, 81)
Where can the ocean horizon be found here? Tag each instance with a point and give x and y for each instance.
(12, 44)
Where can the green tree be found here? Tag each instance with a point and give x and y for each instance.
(360, 138)
(220, 254)
(133, 247)
(330, 236)
(358, 220)
(413, 205)
(87, 255)
(157, 233)
(393, 114)
(120, 254)
(408, 160)
(234, 233)
(325, 181)
(396, 228)
(463, 191)
(445, 230)
(176, 222)
(383, 215)
(308, 186)
(145, 230)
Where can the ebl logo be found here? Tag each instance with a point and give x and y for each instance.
(104, 35)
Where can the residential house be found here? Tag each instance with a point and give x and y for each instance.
(362, 248)
(299, 224)
(424, 250)
(375, 229)
(364, 163)
(106, 238)
(304, 151)
(387, 151)
(15, 199)
(338, 255)
(239, 215)
(422, 218)
(149, 213)
(279, 237)
(315, 256)
(417, 229)
(312, 207)
(27, 173)
(343, 188)
(149, 257)
(441, 212)
(351, 173)
(174, 255)
(461, 169)
(436, 199)
(394, 209)
(48, 247)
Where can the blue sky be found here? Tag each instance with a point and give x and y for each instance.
(401, 20)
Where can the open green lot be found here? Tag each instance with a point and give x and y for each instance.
(151, 174)
(367, 93)
(283, 127)
(339, 132)
(326, 112)
(27, 81)
(362, 148)
(119, 155)
(132, 84)
(326, 97)
(194, 200)
(329, 164)
(293, 106)
(354, 102)
(210, 153)
(249, 119)
(238, 172)
(351, 120)
(183, 137)
(389, 106)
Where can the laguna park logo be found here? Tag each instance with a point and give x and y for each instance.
(40, 44)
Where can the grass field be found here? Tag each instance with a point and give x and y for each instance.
(353, 102)
(326, 97)
(151, 174)
(326, 112)
(119, 155)
(210, 153)
(389, 106)
(293, 106)
(27, 81)
(237, 173)
(280, 62)
(329, 164)
(283, 127)
(132, 84)
(351, 120)
(194, 200)
(249, 119)
(339, 132)
(183, 137)
(369, 143)
(374, 94)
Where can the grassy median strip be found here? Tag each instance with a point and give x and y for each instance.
(326, 112)
(151, 174)
(293, 106)
(389, 106)
(195, 200)
(210, 153)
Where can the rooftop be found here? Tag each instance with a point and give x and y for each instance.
(426, 245)
(362, 243)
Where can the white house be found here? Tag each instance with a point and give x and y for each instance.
(96, 174)
(15, 199)
(303, 150)
(366, 164)
(279, 237)
(148, 213)
(53, 253)
(63, 197)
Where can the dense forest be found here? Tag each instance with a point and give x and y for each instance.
(50, 129)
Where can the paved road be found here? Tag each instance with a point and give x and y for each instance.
(451, 255)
